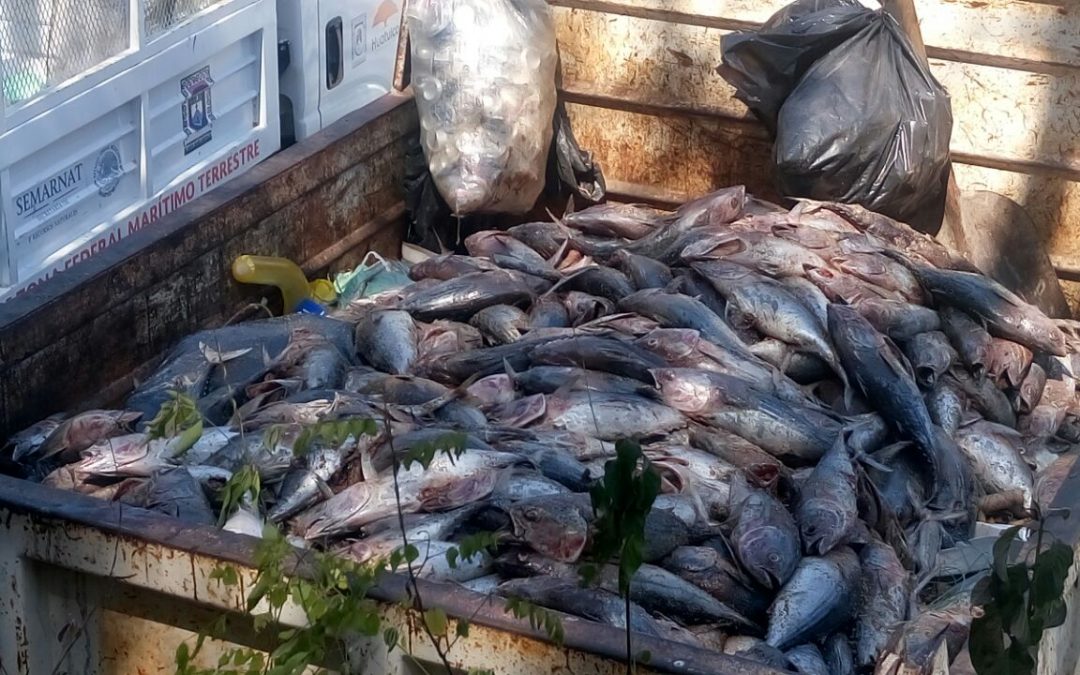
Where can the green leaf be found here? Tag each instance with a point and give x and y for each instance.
(183, 655)
(462, 628)
(411, 553)
(435, 620)
(987, 643)
(1001, 550)
(390, 637)
(452, 557)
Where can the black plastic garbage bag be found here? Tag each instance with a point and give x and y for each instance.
(867, 124)
(855, 114)
(765, 66)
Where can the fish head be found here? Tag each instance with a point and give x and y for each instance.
(670, 343)
(724, 206)
(551, 527)
(769, 554)
(717, 245)
(822, 526)
(684, 389)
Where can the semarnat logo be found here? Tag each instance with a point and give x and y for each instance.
(386, 11)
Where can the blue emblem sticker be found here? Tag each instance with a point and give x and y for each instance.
(108, 170)
(197, 109)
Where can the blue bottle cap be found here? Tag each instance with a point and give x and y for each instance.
(309, 306)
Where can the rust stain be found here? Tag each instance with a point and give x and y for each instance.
(682, 57)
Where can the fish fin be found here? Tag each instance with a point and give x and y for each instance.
(559, 253)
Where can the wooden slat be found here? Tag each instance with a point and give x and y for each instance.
(1006, 119)
(1035, 36)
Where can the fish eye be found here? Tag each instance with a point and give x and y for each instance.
(532, 514)
(774, 557)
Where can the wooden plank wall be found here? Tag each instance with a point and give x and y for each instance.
(323, 202)
(646, 99)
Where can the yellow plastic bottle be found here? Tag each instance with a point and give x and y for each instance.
(284, 274)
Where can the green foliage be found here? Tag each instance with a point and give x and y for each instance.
(333, 600)
(621, 501)
(178, 421)
(451, 444)
(1019, 601)
(243, 483)
(539, 618)
(333, 433)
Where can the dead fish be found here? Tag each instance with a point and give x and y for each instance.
(387, 339)
(534, 267)
(930, 355)
(556, 526)
(468, 294)
(845, 288)
(1052, 478)
(946, 407)
(604, 282)
(684, 348)
(610, 416)
(449, 266)
(754, 649)
(827, 509)
(583, 307)
(1007, 362)
(130, 455)
(593, 604)
(628, 221)
(599, 353)
(734, 450)
(434, 563)
(765, 253)
(714, 209)
(838, 655)
(312, 358)
(446, 483)
(882, 272)
(491, 391)
(899, 320)
(519, 412)
(303, 484)
(1029, 393)
(884, 592)
(917, 642)
(672, 310)
(1004, 313)
(516, 485)
(549, 379)
(26, 442)
(809, 295)
(820, 597)
(83, 431)
(546, 238)
(175, 493)
(801, 368)
(491, 243)
(501, 324)
(548, 311)
(661, 592)
(972, 342)
(807, 659)
(643, 272)
(719, 575)
(690, 283)
(994, 452)
(784, 430)
(899, 235)
(984, 397)
(765, 538)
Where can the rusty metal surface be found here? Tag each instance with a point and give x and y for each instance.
(147, 551)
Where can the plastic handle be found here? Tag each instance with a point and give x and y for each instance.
(335, 53)
(279, 272)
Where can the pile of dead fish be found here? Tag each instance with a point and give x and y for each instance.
(839, 410)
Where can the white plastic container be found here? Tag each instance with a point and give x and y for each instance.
(190, 103)
(342, 55)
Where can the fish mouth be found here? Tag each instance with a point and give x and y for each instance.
(926, 376)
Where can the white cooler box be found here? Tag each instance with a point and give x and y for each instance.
(123, 119)
(341, 57)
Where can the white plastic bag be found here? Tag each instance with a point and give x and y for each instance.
(483, 72)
